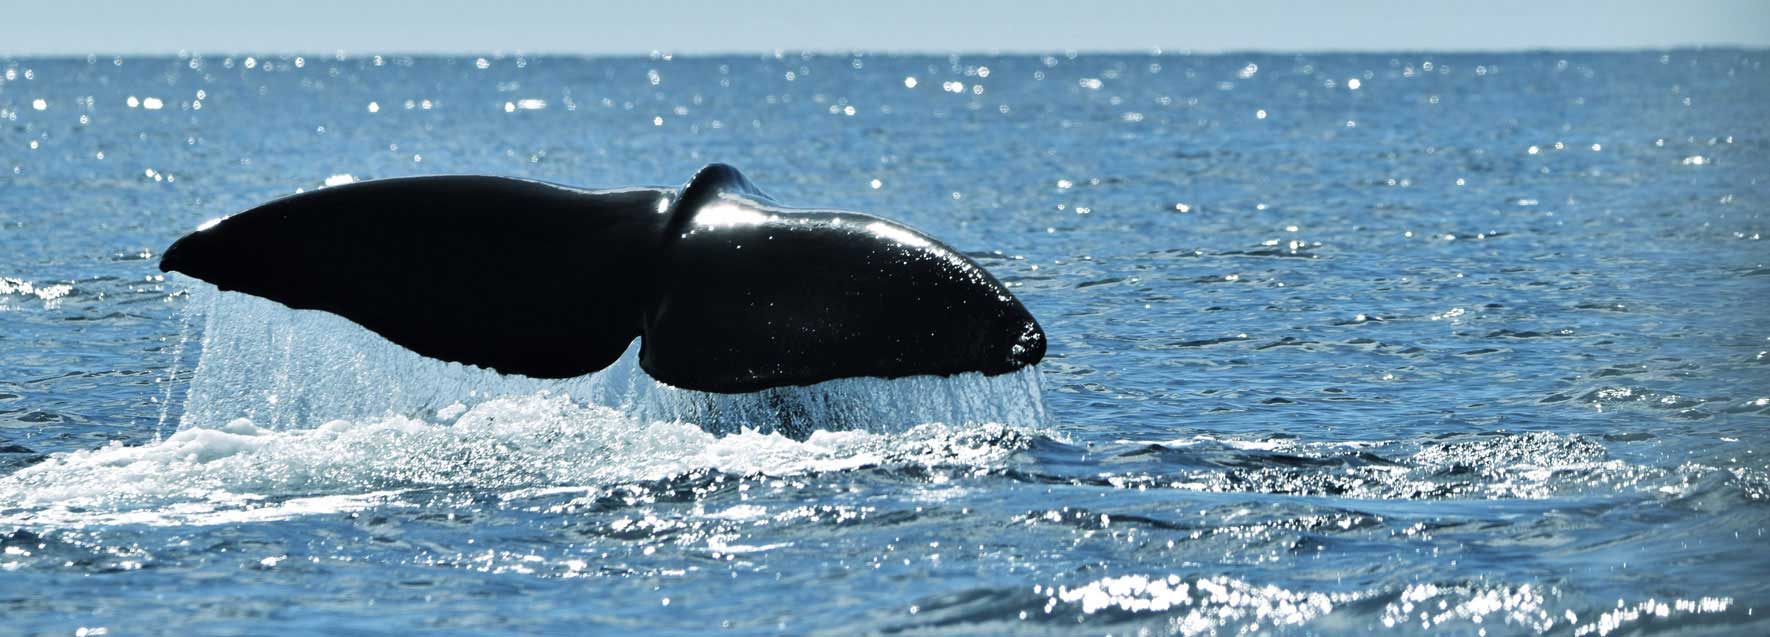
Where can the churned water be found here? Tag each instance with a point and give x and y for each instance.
(1340, 344)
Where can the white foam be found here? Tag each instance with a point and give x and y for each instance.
(240, 471)
(296, 412)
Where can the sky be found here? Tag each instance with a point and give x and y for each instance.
(637, 27)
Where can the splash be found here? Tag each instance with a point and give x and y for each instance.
(292, 413)
(286, 369)
(243, 472)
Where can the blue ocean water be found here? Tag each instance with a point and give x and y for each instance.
(1464, 344)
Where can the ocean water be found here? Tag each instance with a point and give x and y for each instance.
(1465, 344)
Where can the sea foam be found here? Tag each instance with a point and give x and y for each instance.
(297, 412)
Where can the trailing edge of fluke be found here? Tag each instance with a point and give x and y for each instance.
(729, 291)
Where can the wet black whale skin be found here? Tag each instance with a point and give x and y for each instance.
(729, 291)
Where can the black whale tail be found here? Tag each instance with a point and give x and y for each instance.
(730, 291)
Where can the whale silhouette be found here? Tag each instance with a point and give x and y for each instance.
(729, 291)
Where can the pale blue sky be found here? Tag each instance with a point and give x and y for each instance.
(711, 26)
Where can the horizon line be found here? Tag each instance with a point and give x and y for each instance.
(1068, 52)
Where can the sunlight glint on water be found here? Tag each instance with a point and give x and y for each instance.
(1467, 347)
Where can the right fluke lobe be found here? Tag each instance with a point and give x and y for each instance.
(753, 295)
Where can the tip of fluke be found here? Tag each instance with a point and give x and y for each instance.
(169, 260)
(176, 258)
(179, 256)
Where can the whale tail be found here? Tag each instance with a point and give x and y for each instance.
(730, 291)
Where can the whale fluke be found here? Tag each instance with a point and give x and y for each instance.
(729, 291)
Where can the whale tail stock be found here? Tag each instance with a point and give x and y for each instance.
(729, 291)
